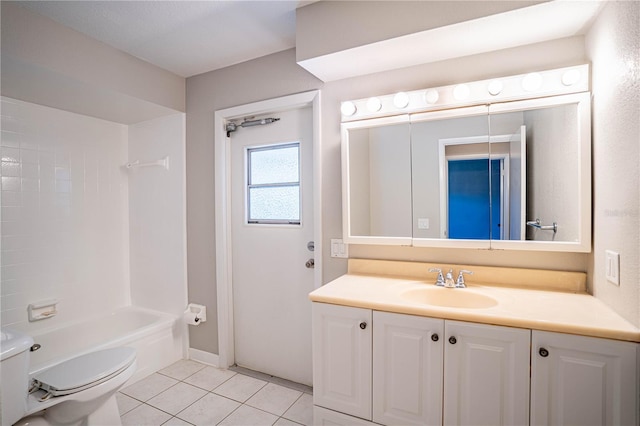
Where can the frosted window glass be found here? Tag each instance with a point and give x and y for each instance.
(274, 165)
(281, 203)
(274, 184)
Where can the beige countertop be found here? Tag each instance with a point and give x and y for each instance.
(539, 309)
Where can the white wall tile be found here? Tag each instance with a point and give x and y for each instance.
(156, 217)
(56, 241)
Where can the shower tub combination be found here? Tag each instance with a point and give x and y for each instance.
(156, 336)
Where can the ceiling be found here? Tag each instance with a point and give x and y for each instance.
(184, 37)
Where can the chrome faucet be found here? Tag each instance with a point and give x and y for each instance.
(440, 279)
(460, 281)
(448, 281)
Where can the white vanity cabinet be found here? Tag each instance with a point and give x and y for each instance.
(486, 374)
(400, 373)
(342, 362)
(407, 369)
(583, 380)
(391, 369)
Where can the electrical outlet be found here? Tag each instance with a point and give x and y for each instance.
(423, 223)
(612, 266)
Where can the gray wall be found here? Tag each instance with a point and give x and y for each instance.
(46, 63)
(350, 27)
(278, 75)
(553, 185)
(263, 78)
(613, 46)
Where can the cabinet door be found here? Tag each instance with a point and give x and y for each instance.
(342, 359)
(407, 369)
(581, 380)
(486, 374)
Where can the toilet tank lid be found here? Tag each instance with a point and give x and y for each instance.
(14, 342)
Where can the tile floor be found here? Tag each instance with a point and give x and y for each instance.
(190, 393)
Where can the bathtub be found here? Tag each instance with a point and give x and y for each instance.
(156, 336)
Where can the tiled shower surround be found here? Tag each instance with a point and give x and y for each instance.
(64, 213)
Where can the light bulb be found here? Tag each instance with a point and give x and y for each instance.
(401, 100)
(570, 77)
(374, 104)
(532, 82)
(348, 108)
(431, 96)
(495, 87)
(461, 92)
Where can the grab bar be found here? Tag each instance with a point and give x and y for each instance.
(536, 224)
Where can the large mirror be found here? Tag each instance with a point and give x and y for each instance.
(511, 175)
(377, 192)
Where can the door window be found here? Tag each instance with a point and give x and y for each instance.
(273, 184)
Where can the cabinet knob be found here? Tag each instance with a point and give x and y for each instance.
(543, 352)
(453, 340)
(435, 337)
(363, 325)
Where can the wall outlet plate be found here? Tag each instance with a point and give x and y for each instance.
(612, 266)
(339, 248)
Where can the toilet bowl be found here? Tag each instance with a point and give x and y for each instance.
(80, 391)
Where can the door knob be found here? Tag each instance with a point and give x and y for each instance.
(310, 264)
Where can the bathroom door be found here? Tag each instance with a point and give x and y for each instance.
(470, 200)
(272, 225)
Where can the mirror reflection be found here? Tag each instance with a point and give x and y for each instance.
(504, 172)
(544, 179)
(380, 181)
(450, 178)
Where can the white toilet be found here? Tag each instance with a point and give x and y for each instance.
(80, 391)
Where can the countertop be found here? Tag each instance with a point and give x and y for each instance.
(538, 309)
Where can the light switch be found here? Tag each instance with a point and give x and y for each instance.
(423, 223)
(339, 248)
(612, 266)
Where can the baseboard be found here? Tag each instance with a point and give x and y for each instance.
(203, 357)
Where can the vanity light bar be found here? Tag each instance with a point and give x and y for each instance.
(559, 81)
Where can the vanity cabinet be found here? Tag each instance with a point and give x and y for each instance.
(386, 368)
(486, 374)
(396, 369)
(407, 369)
(583, 380)
(342, 359)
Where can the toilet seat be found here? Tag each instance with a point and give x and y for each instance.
(83, 372)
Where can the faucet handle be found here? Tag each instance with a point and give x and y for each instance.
(440, 279)
(460, 281)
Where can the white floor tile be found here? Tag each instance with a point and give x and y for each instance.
(210, 378)
(149, 387)
(126, 403)
(209, 410)
(182, 369)
(174, 421)
(301, 411)
(284, 422)
(249, 416)
(274, 399)
(177, 398)
(240, 387)
(144, 415)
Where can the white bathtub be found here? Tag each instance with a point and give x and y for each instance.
(157, 337)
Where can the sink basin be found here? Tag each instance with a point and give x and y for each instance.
(449, 298)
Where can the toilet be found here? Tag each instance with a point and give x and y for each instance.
(80, 391)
